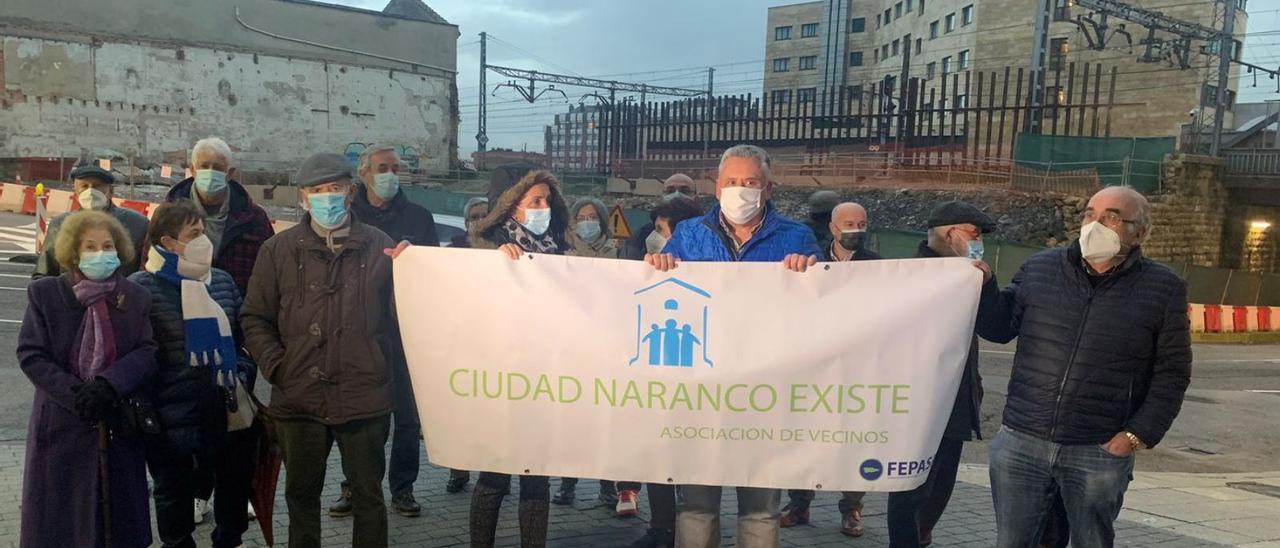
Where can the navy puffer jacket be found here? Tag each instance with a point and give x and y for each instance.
(191, 408)
(1095, 357)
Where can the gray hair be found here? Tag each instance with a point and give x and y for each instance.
(367, 155)
(750, 151)
(466, 208)
(213, 144)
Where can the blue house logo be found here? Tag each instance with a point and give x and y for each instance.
(671, 324)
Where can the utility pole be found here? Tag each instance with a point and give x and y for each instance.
(1226, 47)
(482, 137)
(706, 130)
(1039, 45)
(903, 123)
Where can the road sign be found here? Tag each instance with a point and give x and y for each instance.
(618, 223)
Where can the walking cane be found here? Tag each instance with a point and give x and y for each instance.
(105, 478)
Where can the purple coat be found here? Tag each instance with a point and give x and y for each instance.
(60, 490)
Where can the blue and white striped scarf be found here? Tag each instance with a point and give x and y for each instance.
(208, 336)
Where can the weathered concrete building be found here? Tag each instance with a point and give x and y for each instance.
(278, 79)
(852, 44)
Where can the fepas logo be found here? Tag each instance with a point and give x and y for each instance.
(671, 324)
(871, 469)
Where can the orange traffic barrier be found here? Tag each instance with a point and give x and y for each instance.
(1212, 318)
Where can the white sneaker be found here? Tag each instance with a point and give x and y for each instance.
(202, 508)
(252, 514)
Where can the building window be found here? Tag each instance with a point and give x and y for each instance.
(896, 45)
(781, 96)
(951, 22)
(897, 10)
(908, 10)
(966, 15)
(921, 7)
(933, 30)
(964, 60)
(1209, 97)
(858, 24)
(1054, 96)
(962, 101)
(808, 30)
(782, 65)
(930, 70)
(884, 52)
(782, 33)
(1062, 10)
(876, 53)
(1058, 53)
(855, 58)
(887, 16)
(806, 95)
(946, 66)
(879, 23)
(809, 62)
(919, 45)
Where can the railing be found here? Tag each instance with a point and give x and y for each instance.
(1253, 162)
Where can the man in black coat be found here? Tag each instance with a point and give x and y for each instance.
(380, 203)
(1103, 362)
(642, 241)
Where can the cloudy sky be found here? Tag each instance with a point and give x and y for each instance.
(662, 42)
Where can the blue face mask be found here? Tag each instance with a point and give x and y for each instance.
(99, 265)
(210, 182)
(537, 221)
(587, 230)
(976, 250)
(328, 209)
(386, 185)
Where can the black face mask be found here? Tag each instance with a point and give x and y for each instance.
(853, 241)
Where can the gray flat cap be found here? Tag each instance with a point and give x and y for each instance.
(323, 168)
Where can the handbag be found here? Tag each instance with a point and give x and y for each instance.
(241, 409)
(138, 417)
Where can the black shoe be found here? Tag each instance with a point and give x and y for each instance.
(457, 483)
(608, 497)
(656, 538)
(341, 508)
(405, 505)
(564, 497)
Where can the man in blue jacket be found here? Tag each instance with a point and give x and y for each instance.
(745, 226)
(1103, 361)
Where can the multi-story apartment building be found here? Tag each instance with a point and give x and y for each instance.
(572, 142)
(853, 44)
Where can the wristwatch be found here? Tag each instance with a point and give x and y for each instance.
(1134, 440)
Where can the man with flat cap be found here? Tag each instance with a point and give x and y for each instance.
(955, 230)
(92, 186)
(318, 317)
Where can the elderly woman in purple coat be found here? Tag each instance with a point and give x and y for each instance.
(85, 343)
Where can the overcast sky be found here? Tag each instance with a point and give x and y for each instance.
(662, 42)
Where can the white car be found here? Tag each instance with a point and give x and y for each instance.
(448, 226)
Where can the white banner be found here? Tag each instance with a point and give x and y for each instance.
(744, 374)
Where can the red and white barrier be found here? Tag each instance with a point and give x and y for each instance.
(1213, 318)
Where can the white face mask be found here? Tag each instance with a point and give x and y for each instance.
(92, 198)
(655, 242)
(1098, 243)
(196, 258)
(741, 204)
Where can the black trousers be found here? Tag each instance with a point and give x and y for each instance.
(306, 445)
(230, 465)
(662, 503)
(913, 514)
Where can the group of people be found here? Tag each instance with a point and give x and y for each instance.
(149, 364)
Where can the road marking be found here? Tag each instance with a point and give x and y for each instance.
(1001, 352)
(13, 288)
(1264, 391)
(10, 321)
(15, 276)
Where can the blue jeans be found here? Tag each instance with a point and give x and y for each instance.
(1024, 473)
(402, 471)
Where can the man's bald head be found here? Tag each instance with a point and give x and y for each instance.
(1130, 205)
(846, 217)
(679, 183)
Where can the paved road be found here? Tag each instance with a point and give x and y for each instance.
(1227, 425)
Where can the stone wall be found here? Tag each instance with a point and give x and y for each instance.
(1187, 223)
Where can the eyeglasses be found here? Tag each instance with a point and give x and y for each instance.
(1110, 219)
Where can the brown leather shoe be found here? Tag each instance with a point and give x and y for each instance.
(851, 525)
(794, 517)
